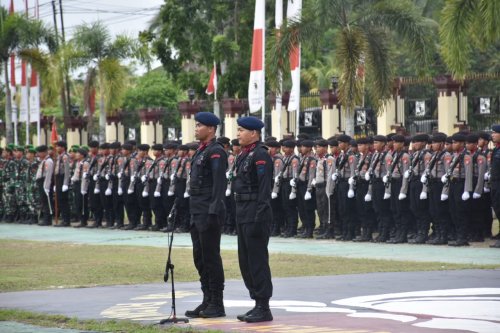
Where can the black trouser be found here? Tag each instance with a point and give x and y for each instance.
(382, 208)
(81, 203)
(253, 258)
(458, 208)
(278, 223)
(366, 215)
(118, 204)
(306, 207)
(439, 210)
(230, 222)
(182, 205)
(347, 209)
(131, 204)
(62, 200)
(144, 206)
(323, 206)
(206, 252)
(168, 201)
(401, 212)
(289, 207)
(157, 205)
(419, 208)
(487, 217)
(495, 197)
(44, 201)
(95, 203)
(106, 202)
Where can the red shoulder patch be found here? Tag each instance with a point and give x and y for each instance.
(405, 160)
(260, 163)
(277, 163)
(215, 156)
(467, 159)
(480, 160)
(447, 159)
(351, 159)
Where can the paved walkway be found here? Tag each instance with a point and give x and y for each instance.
(445, 254)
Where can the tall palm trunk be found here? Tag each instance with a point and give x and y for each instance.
(102, 111)
(349, 122)
(8, 106)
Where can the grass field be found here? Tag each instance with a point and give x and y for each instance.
(28, 265)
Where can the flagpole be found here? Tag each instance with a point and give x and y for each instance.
(297, 122)
(28, 90)
(279, 21)
(216, 102)
(263, 92)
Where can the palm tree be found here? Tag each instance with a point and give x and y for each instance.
(102, 56)
(364, 31)
(466, 25)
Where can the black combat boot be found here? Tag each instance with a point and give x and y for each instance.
(215, 306)
(260, 313)
(204, 303)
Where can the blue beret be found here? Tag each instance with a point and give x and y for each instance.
(496, 128)
(207, 118)
(250, 123)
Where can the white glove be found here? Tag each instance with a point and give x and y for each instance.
(65, 188)
(367, 176)
(132, 179)
(308, 196)
(97, 190)
(85, 175)
(54, 189)
(486, 189)
(476, 195)
(487, 176)
(228, 174)
(228, 192)
(120, 191)
(313, 183)
(83, 192)
(158, 181)
(350, 194)
(186, 195)
(386, 196)
(95, 178)
(465, 196)
(274, 195)
(350, 181)
(444, 179)
(407, 174)
(423, 179)
(292, 196)
(143, 178)
(119, 175)
(145, 194)
(170, 193)
(335, 176)
(292, 183)
(385, 179)
(130, 191)
(157, 194)
(108, 192)
(444, 197)
(401, 196)
(368, 197)
(106, 176)
(47, 191)
(423, 196)
(172, 177)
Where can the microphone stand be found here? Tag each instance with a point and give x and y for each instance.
(169, 268)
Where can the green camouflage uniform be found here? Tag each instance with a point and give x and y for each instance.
(33, 196)
(71, 194)
(3, 162)
(9, 194)
(22, 188)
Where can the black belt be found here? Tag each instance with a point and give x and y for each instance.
(200, 191)
(238, 197)
(458, 180)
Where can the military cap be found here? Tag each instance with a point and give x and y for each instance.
(75, 146)
(104, 145)
(170, 145)
(270, 138)
(289, 144)
(250, 123)
(333, 142)
(207, 118)
(82, 151)
(143, 147)
(472, 138)
(93, 144)
(86, 148)
(19, 148)
(363, 141)
(390, 136)
(193, 145)
(459, 137)
(303, 136)
(353, 143)
(29, 146)
(157, 146)
(307, 143)
(183, 147)
(398, 138)
(408, 141)
(344, 138)
(62, 144)
(132, 142)
(223, 140)
(11, 146)
(370, 139)
(496, 128)
(272, 143)
(484, 135)
(42, 149)
(420, 138)
(115, 145)
(127, 146)
(439, 137)
(32, 150)
(321, 143)
(380, 138)
(449, 139)
(235, 142)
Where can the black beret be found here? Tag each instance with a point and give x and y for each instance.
(438, 137)
(344, 138)
(207, 118)
(449, 139)
(353, 143)
(299, 142)
(363, 141)
(170, 145)
(390, 136)
(307, 143)
(333, 142)
(193, 145)
(93, 144)
(303, 136)
(407, 141)
(143, 147)
(289, 144)
(132, 142)
(398, 138)
(158, 146)
(115, 145)
(127, 146)
(496, 128)
(273, 144)
(459, 137)
(380, 138)
(82, 151)
(104, 145)
(321, 143)
(223, 140)
(235, 142)
(485, 136)
(270, 138)
(250, 123)
(420, 138)
(472, 138)
(370, 139)
(62, 144)
(183, 147)
(42, 148)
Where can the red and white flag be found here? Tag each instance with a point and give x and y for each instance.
(34, 97)
(256, 86)
(23, 107)
(212, 82)
(293, 12)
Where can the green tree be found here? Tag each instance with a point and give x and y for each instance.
(364, 31)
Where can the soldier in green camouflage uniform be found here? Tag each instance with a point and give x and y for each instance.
(9, 197)
(33, 197)
(21, 191)
(3, 161)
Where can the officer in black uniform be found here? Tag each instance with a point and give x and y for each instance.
(252, 192)
(494, 175)
(207, 190)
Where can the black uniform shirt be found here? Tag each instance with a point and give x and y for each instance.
(495, 165)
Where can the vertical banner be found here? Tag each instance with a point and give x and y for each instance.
(23, 106)
(256, 86)
(34, 104)
(212, 82)
(293, 12)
